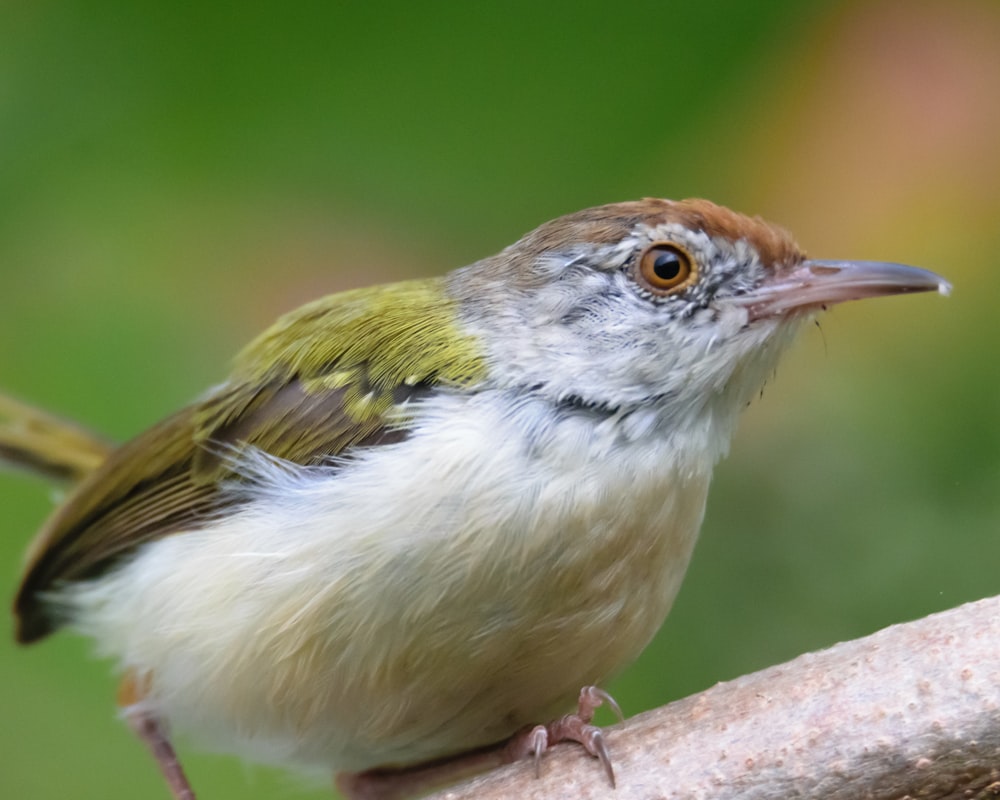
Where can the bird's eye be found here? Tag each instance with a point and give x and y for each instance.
(665, 269)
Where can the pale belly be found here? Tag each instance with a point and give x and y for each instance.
(327, 626)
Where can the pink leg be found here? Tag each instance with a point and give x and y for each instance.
(150, 730)
(571, 728)
(394, 784)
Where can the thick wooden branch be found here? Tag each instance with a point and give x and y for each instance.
(910, 712)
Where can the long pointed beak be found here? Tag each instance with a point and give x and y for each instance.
(821, 283)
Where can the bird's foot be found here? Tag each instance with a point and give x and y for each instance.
(571, 728)
(396, 783)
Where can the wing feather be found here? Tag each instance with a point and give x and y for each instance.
(287, 398)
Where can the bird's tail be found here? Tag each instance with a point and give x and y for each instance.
(46, 445)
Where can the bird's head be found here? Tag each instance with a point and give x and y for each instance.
(682, 307)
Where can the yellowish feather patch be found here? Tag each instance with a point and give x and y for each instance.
(402, 333)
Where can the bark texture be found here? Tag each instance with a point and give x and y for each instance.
(912, 711)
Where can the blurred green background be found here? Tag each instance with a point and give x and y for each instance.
(173, 176)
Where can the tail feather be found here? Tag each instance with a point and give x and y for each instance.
(46, 445)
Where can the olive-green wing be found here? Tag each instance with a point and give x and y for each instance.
(316, 386)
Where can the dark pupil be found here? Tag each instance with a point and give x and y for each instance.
(667, 265)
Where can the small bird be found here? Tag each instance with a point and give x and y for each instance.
(418, 522)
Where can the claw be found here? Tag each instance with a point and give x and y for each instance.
(538, 742)
(591, 697)
(600, 749)
(574, 728)
(571, 728)
(393, 784)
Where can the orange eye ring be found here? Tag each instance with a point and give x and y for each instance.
(665, 269)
